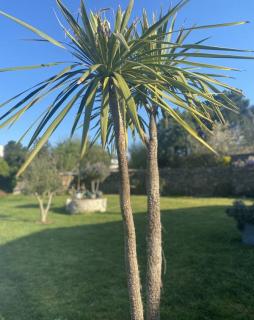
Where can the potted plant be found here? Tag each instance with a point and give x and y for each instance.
(244, 216)
(86, 200)
(88, 203)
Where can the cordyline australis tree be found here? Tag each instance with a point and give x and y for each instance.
(114, 69)
(178, 81)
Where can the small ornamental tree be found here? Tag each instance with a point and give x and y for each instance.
(95, 167)
(92, 169)
(226, 140)
(96, 154)
(95, 173)
(42, 179)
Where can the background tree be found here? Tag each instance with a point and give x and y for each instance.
(241, 121)
(245, 108)
(67, 155)
(173, 143)
(42, 180)
(226, 140)
(15, 155)
(138, 156)
(233, 136)
(4, 168)
(93, 168)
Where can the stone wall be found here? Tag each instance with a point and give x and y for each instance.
(217, 181)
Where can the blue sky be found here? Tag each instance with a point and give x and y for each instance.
(14, 51)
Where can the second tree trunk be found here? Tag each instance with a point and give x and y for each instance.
(154, 242)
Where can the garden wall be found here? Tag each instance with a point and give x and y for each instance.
(217, 181)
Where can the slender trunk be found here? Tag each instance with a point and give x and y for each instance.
(50, 197)
(44, 211)
(133, 278)
(154, 242)
(79, 179)
(98, 186)
(93, 186)
(43, 218)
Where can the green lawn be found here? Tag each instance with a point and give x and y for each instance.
(73, 269)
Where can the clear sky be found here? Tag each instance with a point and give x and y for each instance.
(14, 51)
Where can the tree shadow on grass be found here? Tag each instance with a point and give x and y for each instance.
(3, 216)
(28, 206)
(9, 218)
(78, 272)
(65, 273)
(60, 210)
(54, 209)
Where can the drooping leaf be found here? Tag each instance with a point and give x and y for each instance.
(33, 29)
(47, 134)
(38, 66)
(123, 87)
(87, 118)
(104, 118)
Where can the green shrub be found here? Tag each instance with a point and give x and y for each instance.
(241, 213)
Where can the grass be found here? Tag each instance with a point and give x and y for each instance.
(74, 267)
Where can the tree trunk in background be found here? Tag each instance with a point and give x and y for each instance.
(154, 242)
(131, 261)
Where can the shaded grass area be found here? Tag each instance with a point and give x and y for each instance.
(74, 267)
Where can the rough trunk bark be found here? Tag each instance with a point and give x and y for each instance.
(132, 269)
(154, 239)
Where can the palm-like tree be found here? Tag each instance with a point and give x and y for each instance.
(112, 66)
(181, 82)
